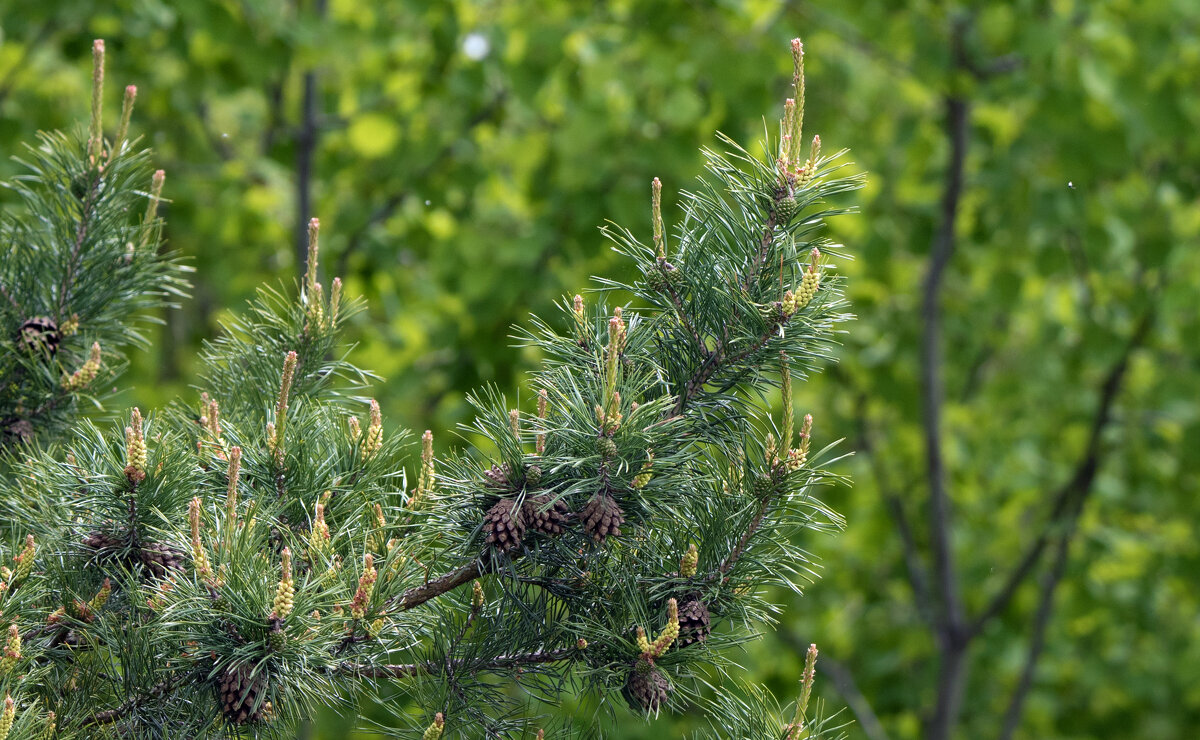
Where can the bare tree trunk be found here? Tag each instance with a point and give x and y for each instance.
(951, 624)
(306, 146)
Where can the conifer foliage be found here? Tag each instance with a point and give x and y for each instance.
(234, 562)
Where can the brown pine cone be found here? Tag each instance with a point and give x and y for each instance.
(40, 334)
(499, 476)
(102, 541)
(646, 688)
(504, 525)
(546, 517)
(242, 694)
(160, 559)
(694, 622)
(602, 517)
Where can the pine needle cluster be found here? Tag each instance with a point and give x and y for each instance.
(232, 563)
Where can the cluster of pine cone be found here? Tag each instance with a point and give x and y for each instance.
(506, 523)
(646, 687)
(157, 558)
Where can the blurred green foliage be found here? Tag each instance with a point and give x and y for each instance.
(467, 151)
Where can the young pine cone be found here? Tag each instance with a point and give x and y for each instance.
(694, 622)
(546, 517)
(602, 517)
(504, 525)
(606, 447)
(159, 559)
(646, 688)
(786, 210)
(242, 694)
(662, 277)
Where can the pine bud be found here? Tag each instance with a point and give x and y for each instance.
(10, 709)
(355, 428)
(643, 477)
(335, 300)
(214, 420)
(310, 272)
(581, 325)
(652, 650)
(433, 732)
(541, 414)
(476, 596)
(796, 728)
(156, 188)
(86, 373)
(70, 327)
(24, 561)
(426, 476)
(286, 592)
(798, 94)
(96, 128)
(788, 304)
(281, 405)
(514, 421)
(12, 650)
(135, 449)
(689, 562)
(318, 536)
(366, 586)
(799, 456)
(810, 166)
(101, 598)
(811, 281)
(316, 309)
(785, 136)
(199, 553)
(669, 632)
(374, 432)
(126, 114)
(656, 214)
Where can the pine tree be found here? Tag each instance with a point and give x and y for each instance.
(82, 261)
(238, 560)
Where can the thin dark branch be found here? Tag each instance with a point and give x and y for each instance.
(431, 667)
(85, 218)
(943, 248)
(1077, 486)
(418, 595)
(732, 558)
(306, 145)
(917, 574)
(949, 623)
(156, 693)
(1041, 620)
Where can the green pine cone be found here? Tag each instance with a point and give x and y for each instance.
(786, 209)
(606, 447)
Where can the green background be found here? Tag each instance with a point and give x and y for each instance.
(458, 194)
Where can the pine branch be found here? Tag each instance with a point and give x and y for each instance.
(156, 693)
(432, 668)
